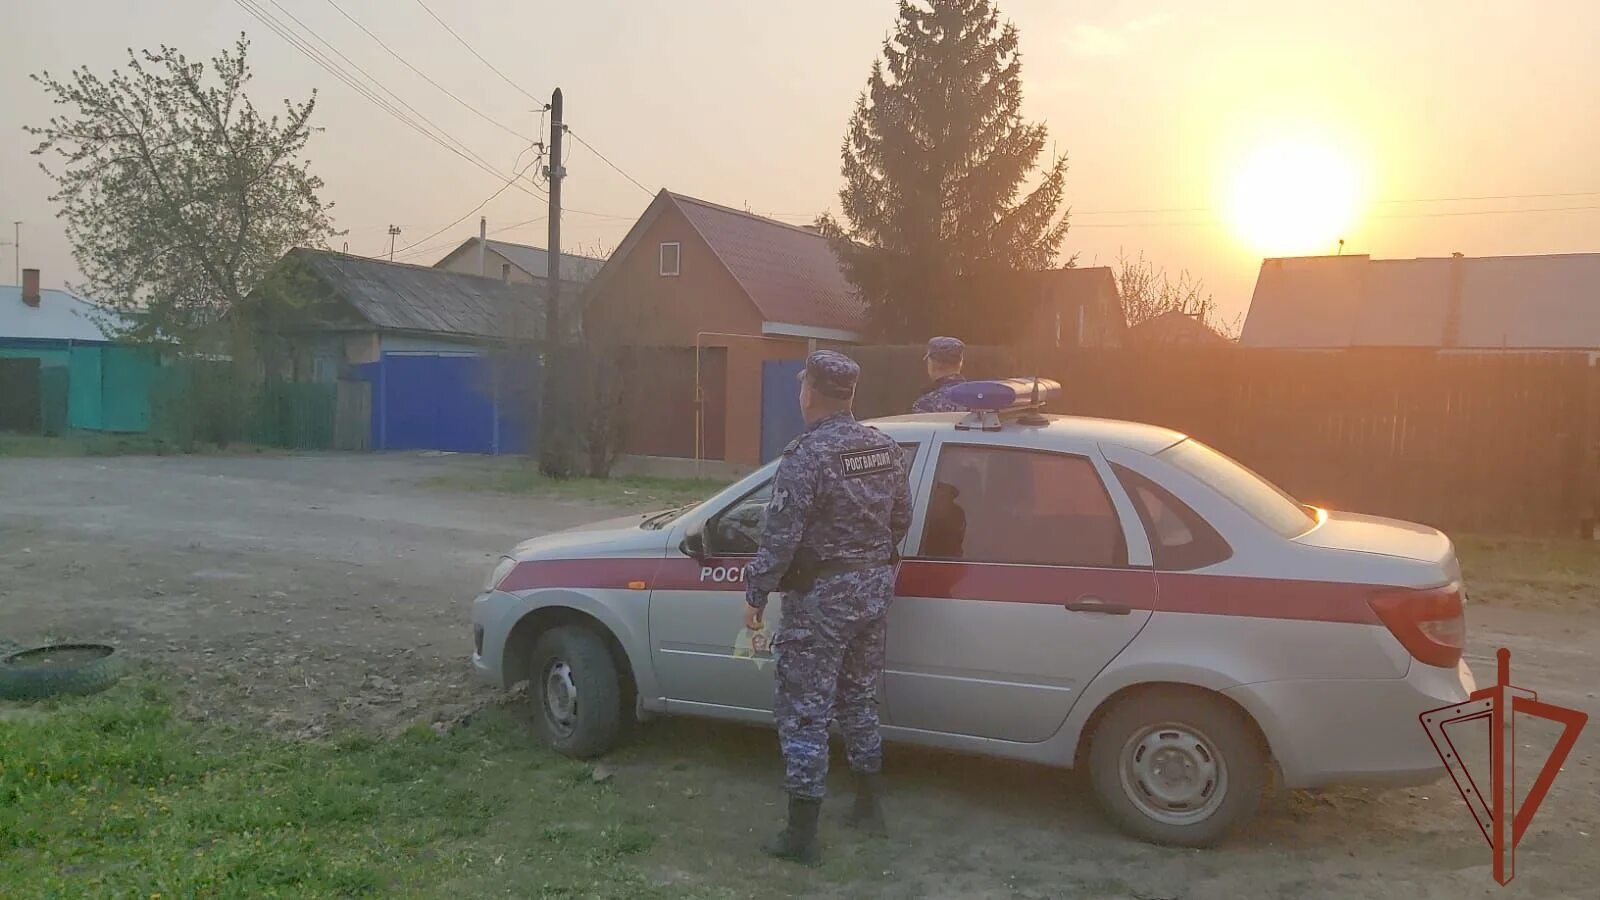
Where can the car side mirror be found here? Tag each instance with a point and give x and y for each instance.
(694, 543)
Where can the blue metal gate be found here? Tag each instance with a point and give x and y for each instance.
(469, 404)
(780, 405)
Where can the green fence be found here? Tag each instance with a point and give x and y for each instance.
(53, 400)
(209, 403)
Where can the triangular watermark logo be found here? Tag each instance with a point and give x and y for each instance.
(1493, 801)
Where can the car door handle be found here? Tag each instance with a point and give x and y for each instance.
(1091, 603)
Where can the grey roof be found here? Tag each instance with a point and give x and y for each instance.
(1518, 302)
(60, 316)
(400, 297)
(535, 260)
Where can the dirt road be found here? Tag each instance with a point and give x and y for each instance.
(310, 593)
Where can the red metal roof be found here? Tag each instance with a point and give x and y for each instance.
(789, 273)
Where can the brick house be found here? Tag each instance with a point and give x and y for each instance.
(726, 303)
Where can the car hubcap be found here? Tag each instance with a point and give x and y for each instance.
(1173, 774)
(560, 697)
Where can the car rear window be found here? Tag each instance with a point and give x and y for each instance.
(1180, 539)
(1263, 500)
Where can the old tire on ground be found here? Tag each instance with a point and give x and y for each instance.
(41, 672)
(575, 692)
(1177, 766)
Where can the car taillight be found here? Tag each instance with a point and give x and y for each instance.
(1429, 623)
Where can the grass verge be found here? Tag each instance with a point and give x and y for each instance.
(525, 478)
(92, 443)
(1531, 573)
(114, 796)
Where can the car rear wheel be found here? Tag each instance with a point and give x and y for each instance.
(1177, 767)
(575, 692)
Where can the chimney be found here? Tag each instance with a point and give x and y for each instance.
(483, 245)
(1452, 308)
(30, 287)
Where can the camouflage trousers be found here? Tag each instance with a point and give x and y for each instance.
(829, 650)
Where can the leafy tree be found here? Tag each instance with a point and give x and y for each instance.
(1148, 292)
(178, 194)
(936, 158)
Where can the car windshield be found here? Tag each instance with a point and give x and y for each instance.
(1262, 499)
(657, 521)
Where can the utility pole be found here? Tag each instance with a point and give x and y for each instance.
(394, 231)
(555, 444)
(552, 315)
(16, 247)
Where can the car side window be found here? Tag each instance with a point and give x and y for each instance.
(1005, 505)
(736, 531)
(1180, 539)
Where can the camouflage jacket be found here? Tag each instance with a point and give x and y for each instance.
(936, 398)
(841, 493)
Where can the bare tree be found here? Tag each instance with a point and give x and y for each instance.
(1148, 292)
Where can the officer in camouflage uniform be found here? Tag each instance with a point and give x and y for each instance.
(840, 506)
(944, 358)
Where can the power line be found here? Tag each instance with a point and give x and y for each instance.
(310, 51)
(507, 79)
(1201, 209)
(1496, 197)
(424, 76)
(1483, 212)
(378, 83)
(608, 162)
(463, 42)
(486, 200)
(1417, 215)
(504, 228)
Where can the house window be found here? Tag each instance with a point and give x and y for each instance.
(670, 257)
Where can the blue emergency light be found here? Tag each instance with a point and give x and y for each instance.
(1004, 395)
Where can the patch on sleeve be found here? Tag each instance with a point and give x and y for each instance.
(856, 463)
(780, 499)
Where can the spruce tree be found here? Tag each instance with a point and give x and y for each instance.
(936, 158)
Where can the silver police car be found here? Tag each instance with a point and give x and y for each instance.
(1074, 592)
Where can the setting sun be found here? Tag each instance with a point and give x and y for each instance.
(1293, 197)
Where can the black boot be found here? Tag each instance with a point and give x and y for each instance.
(797, 842)
(867, 813)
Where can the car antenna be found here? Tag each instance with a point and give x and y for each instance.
(1033, 416)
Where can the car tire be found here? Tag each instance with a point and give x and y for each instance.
(59, 669)
(575, 692)
(1178, 767)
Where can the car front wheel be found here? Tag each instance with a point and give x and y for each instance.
(575, 692)
(1177, 766)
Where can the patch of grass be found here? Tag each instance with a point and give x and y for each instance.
(94, 443)
(525, 478)
(1531, 573)
(114, 796)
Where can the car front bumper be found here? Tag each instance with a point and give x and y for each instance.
(1354, 731)
(493, 615)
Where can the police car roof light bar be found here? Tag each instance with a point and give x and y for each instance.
(987, 400)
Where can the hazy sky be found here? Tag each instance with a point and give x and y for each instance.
(744, 103)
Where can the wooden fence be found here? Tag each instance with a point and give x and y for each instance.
(1488, 442)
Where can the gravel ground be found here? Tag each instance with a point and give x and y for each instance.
(312, 593)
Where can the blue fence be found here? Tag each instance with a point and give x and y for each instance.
(469, 404)
(780, 405)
